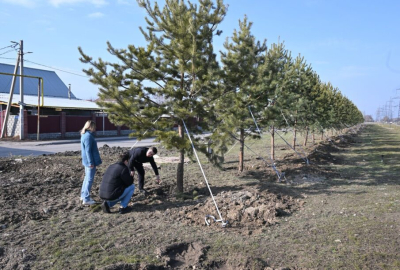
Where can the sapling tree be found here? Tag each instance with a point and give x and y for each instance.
(299, 87)
(325, 107)
(272, 82)
(308, 89)
(241, 62)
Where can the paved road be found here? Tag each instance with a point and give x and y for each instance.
(36, 148)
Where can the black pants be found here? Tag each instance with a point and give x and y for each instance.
(140, 170)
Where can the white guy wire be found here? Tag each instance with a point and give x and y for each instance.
(272, 161)
(305, 159)
(231, 147)
(205, 178)
(144, 133)
(323, 133)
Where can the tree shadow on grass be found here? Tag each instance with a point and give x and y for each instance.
(332, 167)
(344, 163)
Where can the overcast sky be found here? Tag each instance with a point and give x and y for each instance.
(352, 44)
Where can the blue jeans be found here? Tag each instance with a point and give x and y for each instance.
(87, 183)
(124, 198)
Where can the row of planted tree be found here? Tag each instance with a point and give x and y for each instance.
(178, 77)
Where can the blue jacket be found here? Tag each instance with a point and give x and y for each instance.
(90, 152)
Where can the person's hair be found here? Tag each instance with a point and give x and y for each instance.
(153, 149)
(124, 157)
(89, 125)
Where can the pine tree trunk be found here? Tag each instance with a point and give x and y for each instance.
(322, 135)
(179, 171)
(241, 151)
(313, 138)
(294, 135)
(306, 137)
(273, 143)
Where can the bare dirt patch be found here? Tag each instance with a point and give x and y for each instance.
(39, 189)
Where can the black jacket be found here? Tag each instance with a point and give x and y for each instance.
(115, 180)
(138, 155)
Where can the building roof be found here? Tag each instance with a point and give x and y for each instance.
(51, 102)
(53, 86)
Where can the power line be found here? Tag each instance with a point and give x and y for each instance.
(11, 46)
(6, 47)
(7, 52)
(46, 66)
(7, 58)
(57, 69)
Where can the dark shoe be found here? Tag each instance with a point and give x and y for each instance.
(105, 207)
(124, 210)
(143, 191)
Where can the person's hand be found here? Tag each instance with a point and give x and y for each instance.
(132, 173)
(91, 166)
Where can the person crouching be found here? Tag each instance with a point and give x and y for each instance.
(117, 186)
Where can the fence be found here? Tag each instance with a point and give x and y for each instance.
(61, 126)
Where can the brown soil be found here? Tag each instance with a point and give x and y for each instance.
(41, 213)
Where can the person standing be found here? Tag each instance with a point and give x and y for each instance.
(90, 159)
(117, 186)
(137, 157)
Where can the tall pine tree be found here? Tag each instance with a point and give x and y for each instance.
(178, 64)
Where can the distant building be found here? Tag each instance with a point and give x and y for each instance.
(67, 113)
(53, 85)
(56, 93)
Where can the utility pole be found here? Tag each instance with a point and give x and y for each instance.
(390, 110)
(21, 92)
(378, 115)
(398, 112)
(386, 111)
(10, 98)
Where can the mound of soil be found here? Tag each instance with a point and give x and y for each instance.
(246, 210)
